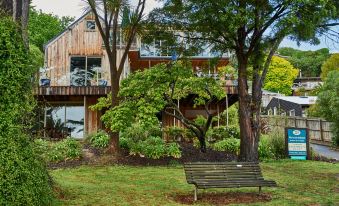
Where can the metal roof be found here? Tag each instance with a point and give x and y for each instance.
(302, 100)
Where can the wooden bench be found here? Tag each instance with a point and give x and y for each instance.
(225, 175)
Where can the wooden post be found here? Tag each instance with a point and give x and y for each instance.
(195, 193)
(321, 130)
(295, 122)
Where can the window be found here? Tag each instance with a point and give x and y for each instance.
(292, 112)
(85, 71)
(64, 121)
(90, 25)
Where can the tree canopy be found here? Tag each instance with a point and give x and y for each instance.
(43, 27)
(144, 94)
(328, 102)
(280, 76)
(23, 177)
(252, 30)
(309, 62)
(331, 64)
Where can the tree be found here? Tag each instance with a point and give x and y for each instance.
(144, 94)
(253, 30)
(42, 27)
(280, 76)
(19, 10)
(309, 62)
(23, 177)
(331, 64)
(328, 103)
(108, 28)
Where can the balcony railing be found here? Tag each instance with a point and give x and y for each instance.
(69, 90)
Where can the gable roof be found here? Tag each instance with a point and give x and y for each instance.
(71, 26)
(301, 100)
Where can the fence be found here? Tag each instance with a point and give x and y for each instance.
(319, 130)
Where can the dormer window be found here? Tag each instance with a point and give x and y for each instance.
(90, 25)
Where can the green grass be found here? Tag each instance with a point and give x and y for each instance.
(300, 183)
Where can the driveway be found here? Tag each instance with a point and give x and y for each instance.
(325, 151)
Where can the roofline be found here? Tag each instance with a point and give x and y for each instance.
(68, 28)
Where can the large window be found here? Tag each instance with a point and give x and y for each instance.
(85, 71)
(64, 121)
(160, 48)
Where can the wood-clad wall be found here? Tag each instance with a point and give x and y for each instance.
(76, 41)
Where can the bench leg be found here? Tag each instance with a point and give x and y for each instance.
(259, 190)
(195, 194)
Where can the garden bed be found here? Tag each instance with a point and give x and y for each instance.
(189, 154)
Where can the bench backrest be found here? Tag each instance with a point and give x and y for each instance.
(233, 171)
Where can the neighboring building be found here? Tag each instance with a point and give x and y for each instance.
(290, 105)
(76, 74)
(306, 84)
(267, 97)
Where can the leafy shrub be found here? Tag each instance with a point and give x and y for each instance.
(175, 133)
(228, 145)
(124, 143)
(99, 139)
(138, 132)
(265, 150)
(67, 149)
(24, 179)
(219, 133)
(152, 147)
(277, 142)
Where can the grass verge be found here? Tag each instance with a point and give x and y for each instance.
(300, 183)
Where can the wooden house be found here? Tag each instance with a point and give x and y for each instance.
(76, 74)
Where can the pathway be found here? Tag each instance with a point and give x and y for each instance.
(325, 151)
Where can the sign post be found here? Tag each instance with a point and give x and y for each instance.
(297, 143)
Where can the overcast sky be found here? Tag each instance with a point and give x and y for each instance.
(76, 8)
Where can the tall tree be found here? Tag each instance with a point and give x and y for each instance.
(309, 62)
(19, 10)
(43, 27)
(280, 76)
(108, 25)
(331, 64)
(253, 30)
(144, 94)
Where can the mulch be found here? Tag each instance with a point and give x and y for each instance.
(189, 154)
(224, 198)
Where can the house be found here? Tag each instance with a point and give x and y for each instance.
(76, 74)
(290, 105)
(305, 85)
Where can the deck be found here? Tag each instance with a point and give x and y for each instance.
(91, 91)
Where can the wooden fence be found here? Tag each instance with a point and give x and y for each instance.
(319, 130)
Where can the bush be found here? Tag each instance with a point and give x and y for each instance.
(277, 142)
(67, 149)
(231, 145)
(152, 147)
(265, 150)
(219, 133)
(24, 179)
(137, 132)
(175, 133)
(99, 139)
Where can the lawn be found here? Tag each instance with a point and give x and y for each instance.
(300, 183)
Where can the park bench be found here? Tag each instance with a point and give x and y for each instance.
(225, 175)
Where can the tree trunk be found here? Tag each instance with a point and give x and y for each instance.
(24, 22)
(249, 136)
(114, 143)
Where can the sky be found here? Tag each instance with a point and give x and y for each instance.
(77, 7)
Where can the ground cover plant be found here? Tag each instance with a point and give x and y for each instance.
(67, 149)
(299, 183)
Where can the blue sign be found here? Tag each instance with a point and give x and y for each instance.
(297, 143)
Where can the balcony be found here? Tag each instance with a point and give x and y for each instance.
(72, 91)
